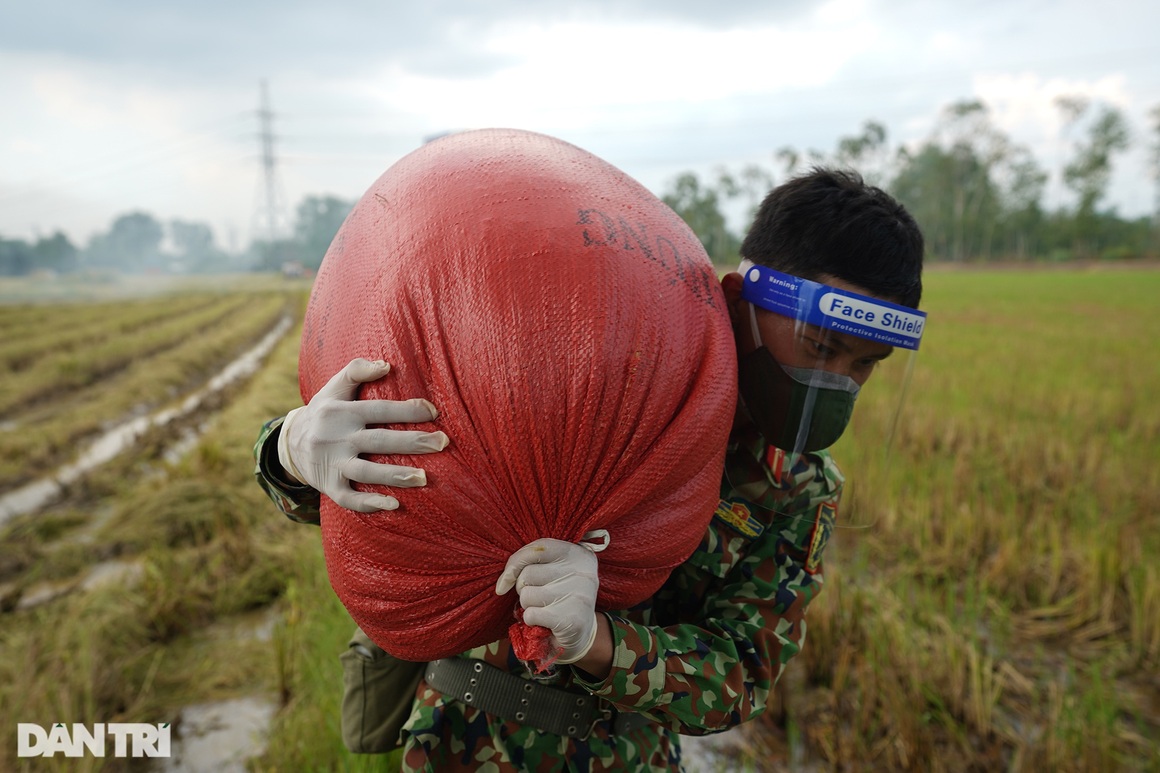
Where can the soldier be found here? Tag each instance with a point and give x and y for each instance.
(827, 289)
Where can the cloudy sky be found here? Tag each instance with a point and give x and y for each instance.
(111, 106)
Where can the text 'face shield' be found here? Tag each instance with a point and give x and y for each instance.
(814, 353)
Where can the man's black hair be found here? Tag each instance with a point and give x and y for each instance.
(831, 222)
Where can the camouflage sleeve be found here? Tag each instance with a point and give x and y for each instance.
(298, 501)
(749, 596)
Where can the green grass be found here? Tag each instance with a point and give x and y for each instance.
(992, 597)
(1017, 513)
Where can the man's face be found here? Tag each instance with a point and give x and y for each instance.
(797, 344)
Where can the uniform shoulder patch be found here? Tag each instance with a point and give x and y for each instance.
(774, 462)
(737, 515)
(824, 520)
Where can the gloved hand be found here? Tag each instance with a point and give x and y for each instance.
(557, 583)
(320, 443)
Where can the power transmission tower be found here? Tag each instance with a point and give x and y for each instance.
(269, 222)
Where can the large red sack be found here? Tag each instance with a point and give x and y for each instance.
(571, 331)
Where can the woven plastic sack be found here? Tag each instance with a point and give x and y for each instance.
(571, 330)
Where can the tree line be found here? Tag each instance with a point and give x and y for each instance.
(137, 242)
(977, 195)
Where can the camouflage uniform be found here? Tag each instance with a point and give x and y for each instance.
(699, 657)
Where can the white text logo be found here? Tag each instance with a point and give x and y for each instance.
(129, 739)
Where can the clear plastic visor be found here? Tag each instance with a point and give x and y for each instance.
(823, 345)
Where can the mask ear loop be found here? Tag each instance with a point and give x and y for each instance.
(753, 326)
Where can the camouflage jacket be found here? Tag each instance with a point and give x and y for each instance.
(699, 657)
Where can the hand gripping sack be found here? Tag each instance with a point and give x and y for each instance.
(573, 335)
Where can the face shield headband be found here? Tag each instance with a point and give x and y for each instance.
(805, 409)
(829, 308)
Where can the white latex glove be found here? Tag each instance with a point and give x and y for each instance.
(557, 584)
(320, 442)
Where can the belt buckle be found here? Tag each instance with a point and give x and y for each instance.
(604, 715)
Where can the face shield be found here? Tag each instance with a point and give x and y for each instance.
(817, 346)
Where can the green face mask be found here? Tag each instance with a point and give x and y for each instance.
(795, 409)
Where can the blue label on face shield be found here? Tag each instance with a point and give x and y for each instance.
(832, 309)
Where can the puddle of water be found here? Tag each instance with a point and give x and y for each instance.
(711, 753)
(264, 629)
(86, 533)
(252, 626)
(126, 573)
(40, 493)
(219, 737)
(184, 443)
(44, 593)
(29, 498)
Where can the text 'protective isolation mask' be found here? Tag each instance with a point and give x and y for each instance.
(802, 409)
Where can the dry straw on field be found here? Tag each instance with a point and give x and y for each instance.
(992, 597)
(994, 600)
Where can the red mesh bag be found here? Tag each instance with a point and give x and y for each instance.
(571, 331)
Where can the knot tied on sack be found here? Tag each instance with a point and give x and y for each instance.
(533, 643)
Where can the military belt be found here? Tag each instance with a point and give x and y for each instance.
(551, 709)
